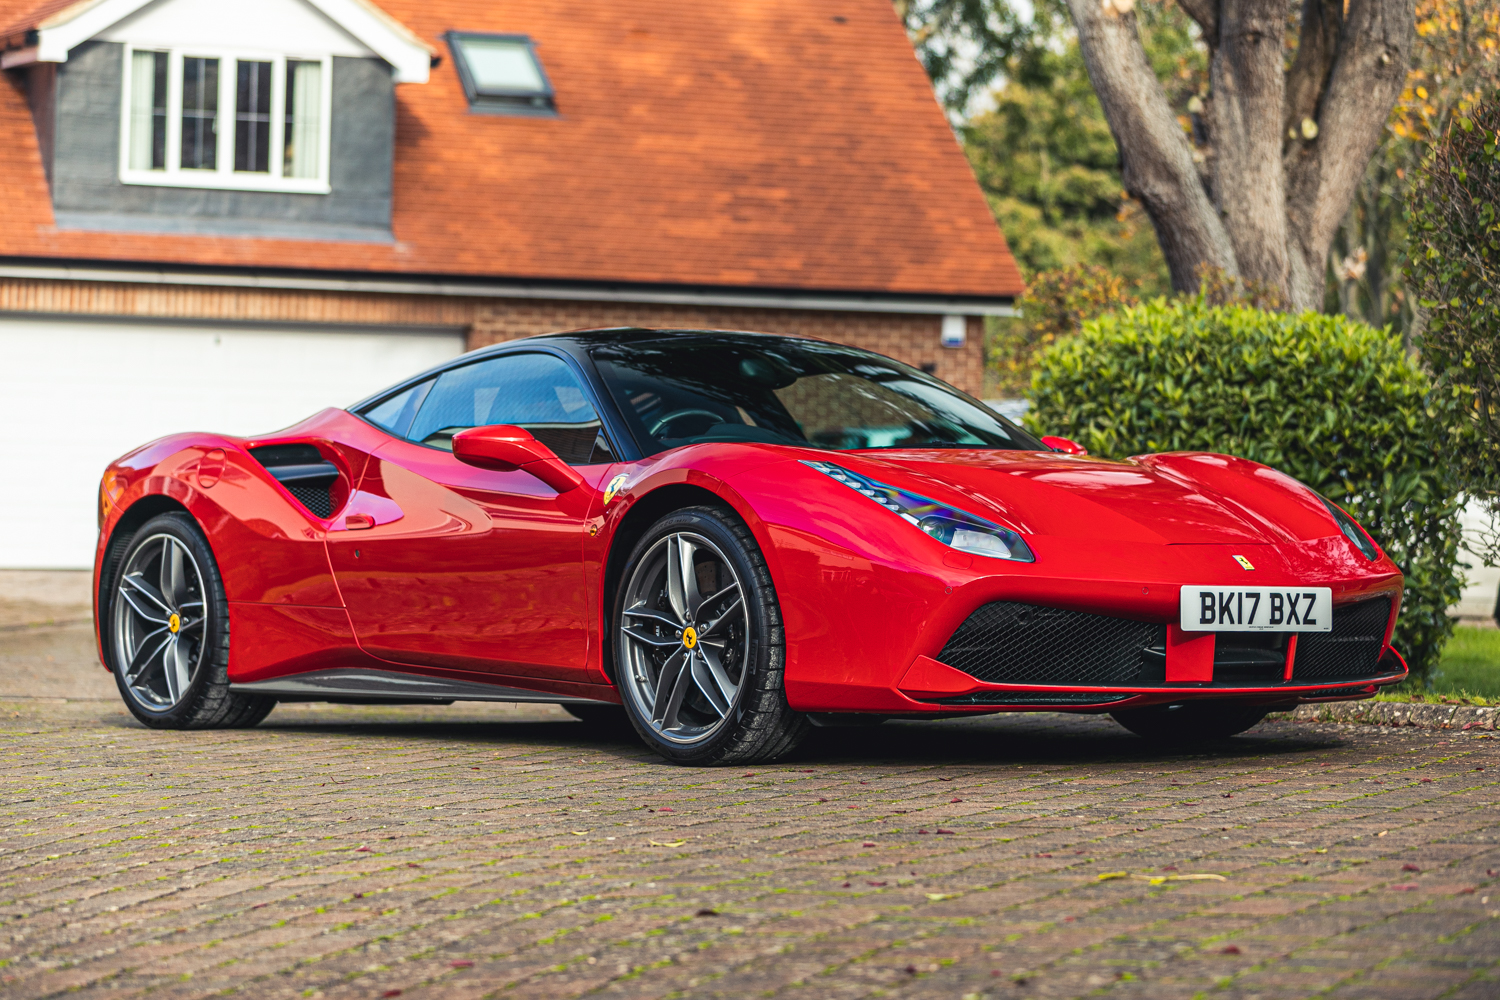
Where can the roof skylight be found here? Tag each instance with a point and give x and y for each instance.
(501, 74)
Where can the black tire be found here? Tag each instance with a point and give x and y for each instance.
(206, 702)
(1190, 722)
(758, 724)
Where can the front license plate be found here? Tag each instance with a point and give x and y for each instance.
(1257, 609)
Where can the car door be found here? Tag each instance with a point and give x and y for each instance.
(443, 564)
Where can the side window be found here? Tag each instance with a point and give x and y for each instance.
(394, 413)
(536, 391)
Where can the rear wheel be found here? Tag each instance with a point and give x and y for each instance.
(699, 649)
(167, 632)
(1190, 722)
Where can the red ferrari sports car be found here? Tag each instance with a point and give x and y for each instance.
(725, 538)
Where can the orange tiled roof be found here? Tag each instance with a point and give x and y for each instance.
(778, 144)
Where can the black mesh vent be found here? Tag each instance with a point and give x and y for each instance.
(1010, 643)
(1352, 649)
(1345, 692)
(315, 498)
(1052, 698)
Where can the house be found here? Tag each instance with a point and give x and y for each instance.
(226, 214)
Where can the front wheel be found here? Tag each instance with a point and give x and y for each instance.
(699, 647)
(167, 632)
(1190, 722)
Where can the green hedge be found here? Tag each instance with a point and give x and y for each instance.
(1336, 404)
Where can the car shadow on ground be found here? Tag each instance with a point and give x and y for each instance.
(1030, 738)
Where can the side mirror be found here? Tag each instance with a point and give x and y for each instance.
(1064, 445)
(506, 448)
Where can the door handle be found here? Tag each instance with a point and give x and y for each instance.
(357, 522)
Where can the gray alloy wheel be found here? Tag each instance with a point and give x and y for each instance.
(159, 615)
(167, 631)
(698, 651)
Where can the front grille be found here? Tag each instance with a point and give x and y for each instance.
(317, 499)
(1351, 649)
(1050, 698)
(1006, 642)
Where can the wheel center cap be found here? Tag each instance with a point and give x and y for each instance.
(689, 637)
(174, 623)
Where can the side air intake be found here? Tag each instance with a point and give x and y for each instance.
(304, 471)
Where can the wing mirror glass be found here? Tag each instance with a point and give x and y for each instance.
(1064, 445)
(506, 448)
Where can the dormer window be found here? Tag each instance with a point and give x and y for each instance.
(501, 74)
(224, 119)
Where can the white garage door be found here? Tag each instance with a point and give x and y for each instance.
(75, 395)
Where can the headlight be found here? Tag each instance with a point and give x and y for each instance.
(961, 530)
(1351, 529)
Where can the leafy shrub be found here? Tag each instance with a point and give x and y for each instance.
(1333, 403)
(1055, 306)
(1454, 221)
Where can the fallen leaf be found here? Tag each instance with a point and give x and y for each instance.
(412, 864)
(878, 885)
(578, 833)
(945, 779)
(869, 843)
(1232, 949)
(911, 970)
(1041, 855)
(670, 843)
(951, 801)
(948, 832)
(921, 831)
(362, 847)
(938, 896)
(807, 770)
(475, 769)
(1169, 868)
(1382, 833)
(1069, 920)
(1409, 867)
(822, 800)
(391, 993)
(1111, 875)
(1467, 890)
(845, 885)
(706, 912)
(1228, 795)
(1491, 872)
(749, 774)
(1426, 781)
(461, 963)
(665, 809)
(359, 895)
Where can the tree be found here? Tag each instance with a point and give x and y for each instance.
(1261, 184)
(1455, 269)
(1456, 58)
(1048, 164)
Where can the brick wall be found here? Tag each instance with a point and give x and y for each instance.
(912, 339)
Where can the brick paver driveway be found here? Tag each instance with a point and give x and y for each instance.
(500, 851)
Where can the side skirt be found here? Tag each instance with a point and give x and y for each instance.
(389, 686)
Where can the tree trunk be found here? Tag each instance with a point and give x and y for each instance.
(1287, 148)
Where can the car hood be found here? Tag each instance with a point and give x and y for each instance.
(1183, 498)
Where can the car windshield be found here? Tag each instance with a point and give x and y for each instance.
(723, 388)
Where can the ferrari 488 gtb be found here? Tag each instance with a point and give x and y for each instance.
(734, 537)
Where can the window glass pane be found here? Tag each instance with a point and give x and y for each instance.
(500, 65)
(252, 117)
(395, 414)
(536, 391)
(200, 113)
(148, 111)
(304, 105)
(802, 393)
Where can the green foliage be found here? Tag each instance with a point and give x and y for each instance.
(1045, 157)
(1056, 305)
(1455, 267)
(1335, 404)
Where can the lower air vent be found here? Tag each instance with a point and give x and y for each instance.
(304, 472)
(1351, 649)
(1011, 643)
(1050, 698)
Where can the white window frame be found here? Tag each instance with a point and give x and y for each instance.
(224, 176)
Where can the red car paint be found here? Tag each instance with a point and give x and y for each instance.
(434, 567)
